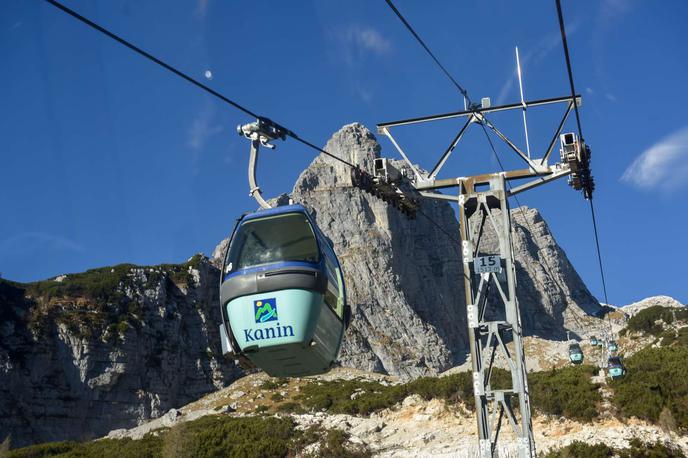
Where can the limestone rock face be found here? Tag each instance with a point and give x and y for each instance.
(404, 277)
(77, 366)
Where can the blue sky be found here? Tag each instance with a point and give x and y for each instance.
(107, 158)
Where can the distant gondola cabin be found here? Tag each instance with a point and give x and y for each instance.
(575, 354)
(615, 367)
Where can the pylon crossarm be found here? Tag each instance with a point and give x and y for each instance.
(470, 183)
(463, 113)
(562, 172)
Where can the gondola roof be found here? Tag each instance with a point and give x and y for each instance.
(295, 208)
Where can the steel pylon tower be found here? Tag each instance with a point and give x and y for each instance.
(492, 324)
(489, 277)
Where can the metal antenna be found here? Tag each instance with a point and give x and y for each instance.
(523, 102)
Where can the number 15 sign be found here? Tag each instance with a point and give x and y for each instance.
(486, 264)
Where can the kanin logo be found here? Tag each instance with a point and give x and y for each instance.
(265, 310)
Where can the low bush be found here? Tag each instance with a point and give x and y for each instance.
(289, 407)
(567, 391)
(636, 449)
(657, 378)
(239, 437)
(211, 436)
(649, 321)
(357, 397)
(148, 447)
(672, 337)
(578, 449)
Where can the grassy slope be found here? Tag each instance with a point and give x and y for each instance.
(656, 385)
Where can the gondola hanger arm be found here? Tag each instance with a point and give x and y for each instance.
(261, 133)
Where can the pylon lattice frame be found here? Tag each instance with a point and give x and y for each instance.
(489, 337)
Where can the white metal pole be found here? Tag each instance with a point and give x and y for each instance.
(523, 102)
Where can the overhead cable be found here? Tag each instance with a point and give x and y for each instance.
(211, 91)
(208, 89)
(569, 70)
(546, 266)
(186, 77)
(427, 49)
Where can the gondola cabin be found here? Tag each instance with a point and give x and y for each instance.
(612, 346)
(282, 294)
(615, 367)
(575, 354)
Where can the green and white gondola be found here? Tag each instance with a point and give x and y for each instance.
(615, 368)
(575, 354)
(282, 294)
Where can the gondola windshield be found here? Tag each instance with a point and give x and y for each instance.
(272, 239)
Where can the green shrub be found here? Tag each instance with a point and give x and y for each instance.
(648, 321)
(289, 407)
(656, 378)
(578, 449)
(239, 437)
(261, 409)
(148, 447)
(335, 444)
(636, 449)
(567, 391)
(672, 337)
(98, 284)
(41, 450)
(269, 385)
(211, 436)
(359, 397)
